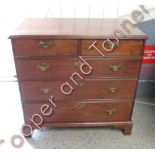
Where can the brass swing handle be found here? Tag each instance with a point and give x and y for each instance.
(109, 45)
(113, 89)
(80, 83)
(110, 111)
(78, 63)
(46, 90)
(79, 105)
(43, 67)
(46, 44)
(115, 68)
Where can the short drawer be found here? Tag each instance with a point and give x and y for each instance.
(80, 112)
(102, 68)
(124, 48)
(45, 47)
(87, 89)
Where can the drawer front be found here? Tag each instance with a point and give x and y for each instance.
(87, 89)
(48, 69)
(45, 47)
(113, 67)
(80, 112)
(45, 69)
(124, 48)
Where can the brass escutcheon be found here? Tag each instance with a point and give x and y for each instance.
(80, 83)
(109, 45)
(110, 111)
(113, 89)
(46, 90)
(77, 63)
(115, 68)
(46, 44)
(79, 105)
(43, 67)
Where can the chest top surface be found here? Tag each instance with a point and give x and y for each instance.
(76, 28)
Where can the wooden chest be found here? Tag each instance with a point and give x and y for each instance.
(77, 72)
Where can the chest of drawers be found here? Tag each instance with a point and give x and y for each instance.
(65, 81)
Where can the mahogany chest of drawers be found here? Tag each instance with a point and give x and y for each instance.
(78, 72)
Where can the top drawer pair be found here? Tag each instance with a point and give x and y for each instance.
(28, 47)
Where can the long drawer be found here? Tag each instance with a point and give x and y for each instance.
(102, 68)
(45, 47)
(124, 48)
(80, 112)
(87, 89)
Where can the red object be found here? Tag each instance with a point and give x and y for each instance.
(149, 55)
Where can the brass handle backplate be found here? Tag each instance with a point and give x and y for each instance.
(110, 111)
(79, 105)
(43, 67)
(46, 90)
(80, 83)
(109, 45)
(78, 63)
(115, 68)
(113, 89)
(45, 44)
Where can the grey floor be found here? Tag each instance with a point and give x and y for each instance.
(143, 135)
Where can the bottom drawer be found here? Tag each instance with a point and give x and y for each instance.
(79, 112)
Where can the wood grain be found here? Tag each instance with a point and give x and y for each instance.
(63, 68)
(32, 48)
(125, 48)
(103, 98)
(91, 89)
(73, 28)
(91, 112)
